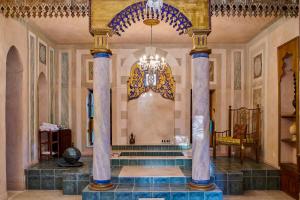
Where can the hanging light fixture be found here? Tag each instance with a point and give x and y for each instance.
(152, 63)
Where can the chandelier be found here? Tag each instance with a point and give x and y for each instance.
(152, 63)
(156, 5)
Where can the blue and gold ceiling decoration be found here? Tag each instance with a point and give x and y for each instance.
(137, 12)
(76, 8)
(165, 86)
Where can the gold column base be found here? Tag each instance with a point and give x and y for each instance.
(101, 187)
(94, 51)
(206, 50)
(208, 187)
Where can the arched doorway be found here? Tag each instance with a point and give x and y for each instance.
(14, 121)
(42, 99)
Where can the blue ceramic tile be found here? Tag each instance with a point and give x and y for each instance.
(235, 187)
(179, 188)
(170, 162)
(143, 181)
(115, 180)
(47, 183)
(196, 195)
(223, 186)
(162, 187)
(161, 180)
(188, 179)
(273, 172)
(259, 183)
(107, 195)
(179, 196)
(70, 177)
(213, 195)
(165, 195)
(123, 162)
(91, 196)
(142, 188)
(273, 183)
(259, 172)
(59, 172)
(125, 187)
(83, 177)
(247, 183)
(115, 162)
(220, 176)
(123, 195)
(141, 162)
(47, 172)
(126, 180)
(82, 185)
(177, 180)
(70, 187)
(187, 163)
(34, 172)
(138, 195)
(58, 183)
(34, 183)
(247, 172)
(235, 176)
(133, 162)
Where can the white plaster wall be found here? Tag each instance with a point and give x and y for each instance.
(15, 33)
(267, 41)
(12, 33)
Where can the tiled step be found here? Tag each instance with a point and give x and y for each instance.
(151, 147)
(166, 192)
(182, 162)
(151, 153)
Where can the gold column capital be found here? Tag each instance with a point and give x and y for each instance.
(101, 41)
(199, 37)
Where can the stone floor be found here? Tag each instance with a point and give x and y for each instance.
(57, 195)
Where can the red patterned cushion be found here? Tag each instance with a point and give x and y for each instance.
(239, 130)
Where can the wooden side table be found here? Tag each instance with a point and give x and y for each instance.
(48, 144)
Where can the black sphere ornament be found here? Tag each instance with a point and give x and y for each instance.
(71, 155)
(70, 158)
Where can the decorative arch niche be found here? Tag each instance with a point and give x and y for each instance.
(14, 121)
(147, 105)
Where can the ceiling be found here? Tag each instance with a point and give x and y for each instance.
(224, 30)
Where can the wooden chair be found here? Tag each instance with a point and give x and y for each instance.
(243, 131)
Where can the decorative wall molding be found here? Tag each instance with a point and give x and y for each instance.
(45, 8)
(77, 8)
(255, 8)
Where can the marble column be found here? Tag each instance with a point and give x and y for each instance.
(200, 114)
(101, 87)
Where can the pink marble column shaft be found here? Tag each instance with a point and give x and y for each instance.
(102, 149)
(200, 124)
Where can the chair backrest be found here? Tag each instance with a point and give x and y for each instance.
(247, 119)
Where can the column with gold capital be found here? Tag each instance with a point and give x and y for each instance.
(101, 87)
(200, 112)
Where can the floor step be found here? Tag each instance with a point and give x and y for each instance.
(133, 192)
(151, 147)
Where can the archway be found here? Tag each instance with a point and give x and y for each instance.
(137, 12)
(14, 121)
(42, 99)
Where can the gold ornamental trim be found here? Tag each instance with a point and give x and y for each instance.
(208, 187)
(151, 22)
(101, 187)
